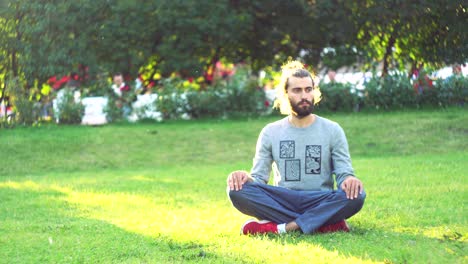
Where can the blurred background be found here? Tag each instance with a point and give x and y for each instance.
(61, 61)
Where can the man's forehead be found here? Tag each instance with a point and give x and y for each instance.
(300, 82)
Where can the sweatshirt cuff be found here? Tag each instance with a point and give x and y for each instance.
(340, 179)
(258, 180)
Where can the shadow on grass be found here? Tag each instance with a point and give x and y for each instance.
(39, 227)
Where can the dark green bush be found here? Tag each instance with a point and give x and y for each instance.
(452, 91)
(27, 111)
(339, 97)
(171, 102)
(397, 91)
(68, 110)
(243, 93)
(118, 107)
(113, 109)
(208, 103)
(394, 91)
(26, 108)
(238, 95)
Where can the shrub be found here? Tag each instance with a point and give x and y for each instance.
(339, 97)
(452, 91)
(98, 87)
(145, 108)
(239, 94)
(243, 94)
(206, 103)
(394, 91)
(118, 107)
(113, 109)
(26, 109)
(69, 110)
(172, 101)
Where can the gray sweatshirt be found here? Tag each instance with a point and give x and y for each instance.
(302, 158)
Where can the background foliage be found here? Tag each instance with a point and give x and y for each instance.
(395, 91)
(240, 94)
(45, 38)
(159, 39)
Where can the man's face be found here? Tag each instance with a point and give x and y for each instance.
(118, 80)
(301, 96)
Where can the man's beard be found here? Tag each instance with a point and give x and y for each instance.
(303, 111)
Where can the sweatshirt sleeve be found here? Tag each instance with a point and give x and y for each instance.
(341, 158)
(263, 159)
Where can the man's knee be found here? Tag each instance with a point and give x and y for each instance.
(240, 195)
(243, 200)
(358, 202)
(234, 195)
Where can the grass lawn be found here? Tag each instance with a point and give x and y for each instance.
(155, 193)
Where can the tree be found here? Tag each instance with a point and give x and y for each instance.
(266, 32)
(194, 35)
(126, 35)
(10, 44)
(40, 38)
(56, 37)
(298, 29)
(399, 33)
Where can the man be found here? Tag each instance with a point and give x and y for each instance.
(121, 90)
(306, 150)
(119, 85)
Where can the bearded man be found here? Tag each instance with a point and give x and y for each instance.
(305, 151)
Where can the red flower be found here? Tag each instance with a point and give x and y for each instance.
(208, 77)
(52, 80)
(125, 88)
(58, 84)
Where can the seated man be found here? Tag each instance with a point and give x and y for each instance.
(119, 86)
(124, 95)
(306, 150)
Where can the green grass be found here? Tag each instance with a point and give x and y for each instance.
(155, 193)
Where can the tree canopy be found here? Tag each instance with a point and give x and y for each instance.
(40, 39)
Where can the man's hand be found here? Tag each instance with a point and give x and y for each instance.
(352, 186)
(237, 179)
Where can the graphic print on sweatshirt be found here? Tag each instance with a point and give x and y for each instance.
(287, 149)
(313, 159)
(292, 170)
(292, 167)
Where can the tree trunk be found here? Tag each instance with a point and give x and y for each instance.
(14, 64)
(388, 52)
(18, 35)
